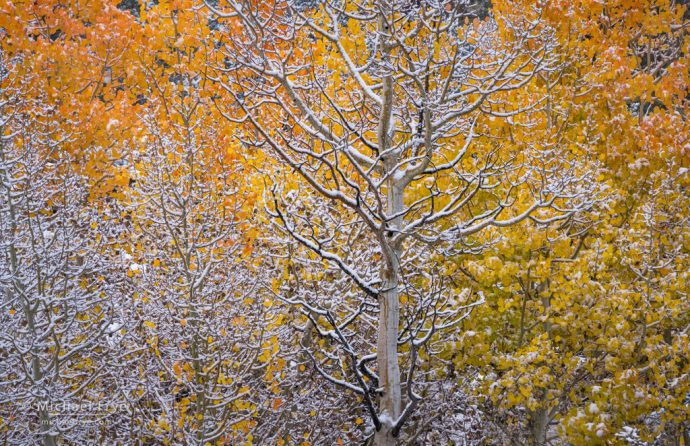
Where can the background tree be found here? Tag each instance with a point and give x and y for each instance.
(565, 309)
(202, 356)
(56, 307)
(201, 328)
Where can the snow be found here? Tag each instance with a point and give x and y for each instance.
(386, 419)
(630, 435)
(112, 123)
(601, 430)
(593, 408)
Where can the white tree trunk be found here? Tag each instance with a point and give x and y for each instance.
(389, 303)
(387, 355)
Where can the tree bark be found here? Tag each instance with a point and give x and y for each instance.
(389, 303)
(387, 342)
(538, 426)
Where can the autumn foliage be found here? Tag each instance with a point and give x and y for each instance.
(310, 222)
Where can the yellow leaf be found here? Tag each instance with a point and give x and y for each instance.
(164, 424)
